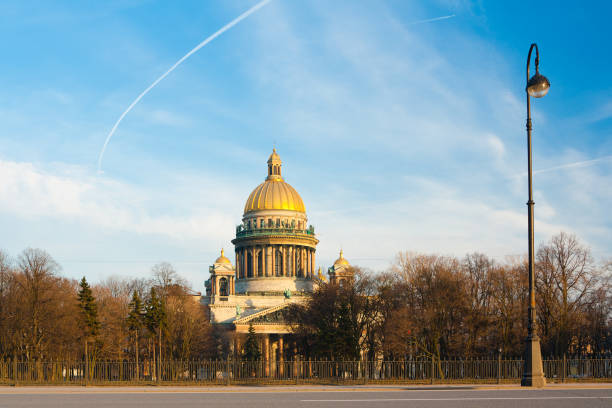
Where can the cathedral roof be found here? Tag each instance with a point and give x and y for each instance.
(274, 193)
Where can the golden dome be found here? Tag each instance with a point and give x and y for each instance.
(341, 260)
(222, 259)
(274, 193)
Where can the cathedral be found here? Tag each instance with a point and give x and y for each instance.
(274, 267)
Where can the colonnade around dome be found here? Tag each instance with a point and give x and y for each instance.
(275, 260)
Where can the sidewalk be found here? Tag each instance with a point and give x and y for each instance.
(287, 388)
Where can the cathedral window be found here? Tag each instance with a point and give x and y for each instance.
(260, 269)
(270, 223)
(249, 265)
(278, 263)
(223, 287)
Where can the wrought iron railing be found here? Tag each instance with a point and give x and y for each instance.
(274, 231)
(298, 371)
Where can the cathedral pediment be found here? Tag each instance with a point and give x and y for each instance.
(273, 315)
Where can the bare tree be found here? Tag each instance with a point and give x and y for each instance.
(166, 279)
(46, 318)
(112, 297)
(38, 277)
(566, 276)
(478, 269)
(8, 317)
(430, 319)
(509, 306)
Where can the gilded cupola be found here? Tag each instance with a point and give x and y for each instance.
(223, 259)
(274, 193)
(341, 260)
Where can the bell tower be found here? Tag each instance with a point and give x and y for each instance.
(342, 271)
(222, 282)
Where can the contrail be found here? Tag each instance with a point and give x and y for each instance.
(431, 19)
(189, 54)
(573, 165)
(578, 164)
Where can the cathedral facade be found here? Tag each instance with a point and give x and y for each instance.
(275, 258)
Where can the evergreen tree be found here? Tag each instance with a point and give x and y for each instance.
(135, 319)
(156, 318)
(155, 312)
(89, 310)
(251, 348)
(135, 322)
(89, 320)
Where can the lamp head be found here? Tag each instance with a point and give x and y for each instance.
(538, 85)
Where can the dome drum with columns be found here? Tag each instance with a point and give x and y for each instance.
(274, 266)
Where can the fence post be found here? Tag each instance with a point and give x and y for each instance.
(86, 365)
(563, 367)
(229, 381)
(432, 368)
(15, 376)
(158, 369)
(499, 367)
(365, 376)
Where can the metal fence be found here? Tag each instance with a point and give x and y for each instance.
(298, 371)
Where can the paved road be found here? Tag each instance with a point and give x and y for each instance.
(386, 397)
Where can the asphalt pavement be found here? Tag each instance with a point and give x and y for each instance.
(306, 396)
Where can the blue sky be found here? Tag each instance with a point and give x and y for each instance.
(399, 134)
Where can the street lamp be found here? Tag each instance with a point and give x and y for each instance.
(533, 373)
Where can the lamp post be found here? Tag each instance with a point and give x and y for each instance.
(533, 373)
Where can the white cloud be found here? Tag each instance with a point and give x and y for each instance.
(496, 146)
(70, 193)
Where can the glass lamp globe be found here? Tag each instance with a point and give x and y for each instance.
(538, 86)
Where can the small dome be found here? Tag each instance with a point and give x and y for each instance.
(274, 157)
(341, 260)
(222, 259)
